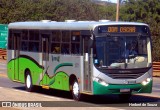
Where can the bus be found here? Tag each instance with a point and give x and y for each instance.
(3, 36)
(82, 57)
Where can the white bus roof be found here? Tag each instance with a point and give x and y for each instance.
(70, 25)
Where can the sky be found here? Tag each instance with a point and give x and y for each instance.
(113, 1)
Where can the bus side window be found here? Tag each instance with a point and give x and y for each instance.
(65, 48)
(33, 46)
(66, 40)
(10, 40)
(75, 42)
(34, 40)
(75, 48)
(55, 48)
(24, 40)
(24, 46)
(55, 42)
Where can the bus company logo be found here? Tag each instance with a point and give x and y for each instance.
(56, 58)
(125, 82)
(124, 71)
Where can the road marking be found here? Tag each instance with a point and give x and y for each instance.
(148, 95)
(1, 63)
(3, 75)
(157, 84)
(21, 91)
(156, 88)
(2, 68)
(17, 90)
(50, 97)
(57, 98)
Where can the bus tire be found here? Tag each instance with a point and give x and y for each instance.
(75, 90)
(124, 97)
(28, 82)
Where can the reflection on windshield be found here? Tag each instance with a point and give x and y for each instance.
(121, 52)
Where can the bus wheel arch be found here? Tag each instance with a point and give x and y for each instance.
(74, 88)
(28, 80)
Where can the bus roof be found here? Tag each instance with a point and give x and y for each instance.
(70, 25)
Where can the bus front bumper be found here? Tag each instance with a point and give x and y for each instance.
(99, 89)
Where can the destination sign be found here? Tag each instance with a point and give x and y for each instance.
(122, 29)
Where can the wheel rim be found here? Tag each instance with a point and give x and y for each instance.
(75, 89)
(28, 81)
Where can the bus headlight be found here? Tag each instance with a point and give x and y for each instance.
(145, 82)
(99, 80)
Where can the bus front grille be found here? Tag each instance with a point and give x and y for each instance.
(125, 75)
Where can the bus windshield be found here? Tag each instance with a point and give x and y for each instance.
(121, 52)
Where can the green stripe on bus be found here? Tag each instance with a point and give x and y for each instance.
(58, 81)
(61, 65)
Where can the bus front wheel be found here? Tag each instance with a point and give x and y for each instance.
(28, 82)
(75, 90)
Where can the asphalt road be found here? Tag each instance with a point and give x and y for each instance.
(12, 91)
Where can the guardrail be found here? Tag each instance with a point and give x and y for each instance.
(3, 54)
(156, 68)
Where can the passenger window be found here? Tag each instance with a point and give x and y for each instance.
(56, 36)
(34, 40)
(55, 48)
(34, 35)
(75, 42)
(75, 48)
(24, 34)
(55, 44)
(66, 36)
(66, 41)
(24, 42)
(10, 40)
(24, 45)
(34, 46)
(65, 48)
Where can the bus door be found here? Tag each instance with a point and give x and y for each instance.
(87, 73)
(45, 55)
(17, 40)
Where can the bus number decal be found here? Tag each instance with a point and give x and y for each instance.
(127, 29)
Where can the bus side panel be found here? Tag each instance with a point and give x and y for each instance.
(29, 64)
(10, 65)
(30, 61)
(60, 67)
(25, 63)
(59, 81)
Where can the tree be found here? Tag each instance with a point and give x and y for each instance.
(147, 11)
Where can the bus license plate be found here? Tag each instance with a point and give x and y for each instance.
(124, 90)
(131, 82)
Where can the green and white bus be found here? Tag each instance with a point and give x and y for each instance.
(84, 57)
